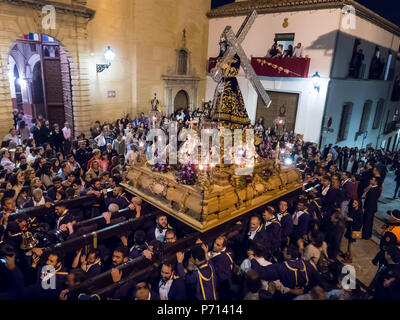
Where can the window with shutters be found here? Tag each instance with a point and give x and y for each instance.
(285, 39)
(345, 121)
(378, 114)
(365, 116)
(182, 62)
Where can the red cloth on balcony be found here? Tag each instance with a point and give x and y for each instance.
(277, 67)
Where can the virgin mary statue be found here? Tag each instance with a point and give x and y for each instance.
(228, 105)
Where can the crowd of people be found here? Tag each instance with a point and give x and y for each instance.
(287, 250)
(277, 51)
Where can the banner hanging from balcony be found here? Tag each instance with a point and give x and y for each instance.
(287, 67)
(276, 67)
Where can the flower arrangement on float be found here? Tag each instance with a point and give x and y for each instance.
(161, 167)
(188, 174)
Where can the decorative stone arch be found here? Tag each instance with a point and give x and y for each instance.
(24, 17)
(187, 97)
(32, 61)
(11, 65)
(174, 85)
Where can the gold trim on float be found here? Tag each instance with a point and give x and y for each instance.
(209, 224)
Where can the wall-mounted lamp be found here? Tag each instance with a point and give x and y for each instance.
(316, 81)
(109, 54)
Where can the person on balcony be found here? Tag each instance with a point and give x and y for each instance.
(288, 53)
(298, 51)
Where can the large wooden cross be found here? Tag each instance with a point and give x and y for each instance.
(234, 42)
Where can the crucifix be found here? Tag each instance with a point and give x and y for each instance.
(235, 47)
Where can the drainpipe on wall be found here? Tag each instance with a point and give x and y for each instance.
(328, 93)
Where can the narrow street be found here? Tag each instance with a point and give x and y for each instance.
(365, 250)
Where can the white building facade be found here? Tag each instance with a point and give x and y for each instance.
(332, 111)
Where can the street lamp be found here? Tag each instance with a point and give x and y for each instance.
(316, 81)
(109, 55)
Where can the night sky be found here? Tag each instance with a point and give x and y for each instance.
(388, 9)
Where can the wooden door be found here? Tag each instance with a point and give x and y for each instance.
(52, 79)
(278, 99)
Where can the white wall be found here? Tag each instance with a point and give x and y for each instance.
(315, 29)
(319, 45)
(371, 36)
(357, 92)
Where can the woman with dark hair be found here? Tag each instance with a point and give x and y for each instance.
(60, 156)
(23, 197)
(104, 162)
(142, 129)
(16, 181)
(47, 175)
(24, 131)
(354, 222)
(55, 164)
(37, 165)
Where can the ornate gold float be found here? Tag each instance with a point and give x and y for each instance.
(217, 197)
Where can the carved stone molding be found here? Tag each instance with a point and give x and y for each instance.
(75, 10)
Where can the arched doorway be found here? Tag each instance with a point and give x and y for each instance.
(43, 81)
(181, 100)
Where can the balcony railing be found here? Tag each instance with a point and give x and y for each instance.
(276, 67)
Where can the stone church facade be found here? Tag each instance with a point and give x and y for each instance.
(146, 36)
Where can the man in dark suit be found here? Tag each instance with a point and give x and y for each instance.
(328, 196)
(170, 286)
(272, 231)
(253, 233)
(110, 151)
(365, 178)
(370, 208)
(158, 231)
(326, 151)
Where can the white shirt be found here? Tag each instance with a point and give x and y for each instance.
(160, 235)
(30, 159)
(87, 267)
(252, 234)
(40, 203)
(67, 133)
(131, 156)
(164, 289)
(296, 217)
(10, 137)
(100, 140)
(350, 165)
(344, 182)
(325, 190)
(246, 266)
(7, 164)
(298, 52)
